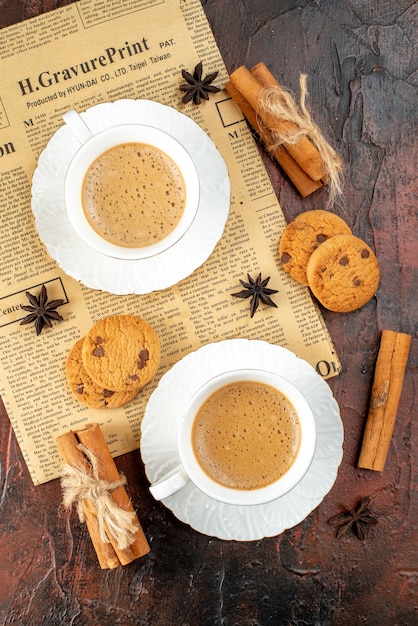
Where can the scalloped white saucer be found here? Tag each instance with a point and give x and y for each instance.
(159, 440)
(141, 276)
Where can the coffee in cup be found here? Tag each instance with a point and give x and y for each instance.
(246, 437)
(131, 190)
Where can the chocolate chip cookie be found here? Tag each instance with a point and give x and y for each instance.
(303, 235)
(86, 390)
(121, 352)
(343, 273)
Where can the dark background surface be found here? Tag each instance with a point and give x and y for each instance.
(361, 60)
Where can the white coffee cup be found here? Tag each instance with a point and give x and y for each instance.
(95, 144)
(189, 468)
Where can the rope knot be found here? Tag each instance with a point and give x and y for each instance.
(280, 103)
(80, 486)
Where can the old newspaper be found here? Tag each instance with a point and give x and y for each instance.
(76, 57)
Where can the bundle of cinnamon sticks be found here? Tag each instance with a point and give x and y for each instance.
(91, 480)
(300, 159)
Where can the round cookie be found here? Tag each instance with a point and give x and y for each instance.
(121, 352)
(343, 273)
(303, 235)
(86, 390)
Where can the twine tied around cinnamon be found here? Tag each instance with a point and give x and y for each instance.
(279, 102)
(78, 486)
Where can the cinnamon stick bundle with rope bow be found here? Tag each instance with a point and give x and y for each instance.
(90, 481)
(286, 129)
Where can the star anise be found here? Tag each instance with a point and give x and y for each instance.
(41, 312)
(356, 519)
(256, 289)
(196, 86)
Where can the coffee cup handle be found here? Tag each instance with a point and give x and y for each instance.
(170, 483)
(77, 126)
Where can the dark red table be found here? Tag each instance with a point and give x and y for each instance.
(361, 61)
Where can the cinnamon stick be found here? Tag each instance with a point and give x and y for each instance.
(303, 151)
(386, 391)
(303, 183)
(110, 555)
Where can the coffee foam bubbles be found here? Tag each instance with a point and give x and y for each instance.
(133, 195)
(246, 435)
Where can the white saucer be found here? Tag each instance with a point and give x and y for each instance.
(134, 276)
(164, 412)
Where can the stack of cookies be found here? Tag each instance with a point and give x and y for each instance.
(117, 357)
(319, 250)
